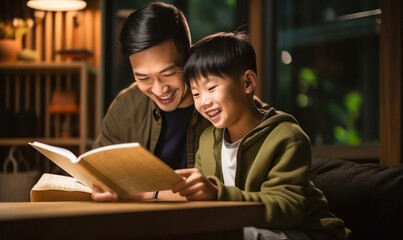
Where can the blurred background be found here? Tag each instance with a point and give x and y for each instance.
(319, 60)
(334, 65)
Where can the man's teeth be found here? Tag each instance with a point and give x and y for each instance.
(213, 113)
(166, 97)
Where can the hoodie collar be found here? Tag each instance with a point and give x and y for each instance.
(271, 118)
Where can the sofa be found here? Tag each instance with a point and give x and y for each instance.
(368, 197)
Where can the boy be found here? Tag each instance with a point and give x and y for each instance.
(251, 154)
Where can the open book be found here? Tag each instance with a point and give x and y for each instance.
(52, 187)
(122, 168)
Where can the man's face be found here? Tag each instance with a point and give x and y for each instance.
(158, 73)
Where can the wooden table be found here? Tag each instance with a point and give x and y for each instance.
(135, 220)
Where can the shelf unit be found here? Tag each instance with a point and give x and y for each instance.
(28, 87)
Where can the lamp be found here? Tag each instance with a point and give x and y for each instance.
(57, 5)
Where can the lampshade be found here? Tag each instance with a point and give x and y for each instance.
(57, 5)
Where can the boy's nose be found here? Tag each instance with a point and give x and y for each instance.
(205, 101)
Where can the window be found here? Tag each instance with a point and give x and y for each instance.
(325, 68)
(210, 16)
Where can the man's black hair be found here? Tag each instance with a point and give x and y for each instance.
(220, 54)
(153, 24)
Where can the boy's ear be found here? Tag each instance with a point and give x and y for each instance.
(249, 79)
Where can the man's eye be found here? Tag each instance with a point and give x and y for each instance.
(142, 78)
(169, 74)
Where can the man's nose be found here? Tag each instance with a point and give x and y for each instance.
(159, 87)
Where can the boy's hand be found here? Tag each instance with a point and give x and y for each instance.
(100, 195)
(195, 186)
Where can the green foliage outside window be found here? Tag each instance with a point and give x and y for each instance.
(311, 89)
(209, 16)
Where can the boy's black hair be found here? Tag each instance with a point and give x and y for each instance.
(153, 24)
(220, 54)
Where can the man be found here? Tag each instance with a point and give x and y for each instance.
(157, 110)
(156, 39)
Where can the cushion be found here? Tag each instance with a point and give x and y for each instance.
(367, 196)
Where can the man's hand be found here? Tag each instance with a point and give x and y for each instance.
(100, 195)
(195, 186)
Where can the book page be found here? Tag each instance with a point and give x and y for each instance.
(58, 150)
(109, 147)
(130, 170)
(62, 158)
(59, 182)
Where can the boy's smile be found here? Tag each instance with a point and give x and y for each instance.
(214, 113)
(218, 99)
(158, 73)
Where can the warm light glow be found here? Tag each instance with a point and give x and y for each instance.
(57, 5)
(286, 57)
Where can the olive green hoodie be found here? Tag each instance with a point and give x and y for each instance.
(273, 165)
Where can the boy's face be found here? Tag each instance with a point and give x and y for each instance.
(158, 73)
(221, 100)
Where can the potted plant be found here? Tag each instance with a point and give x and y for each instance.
(11, 33)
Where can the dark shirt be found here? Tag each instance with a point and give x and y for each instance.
(171, 146)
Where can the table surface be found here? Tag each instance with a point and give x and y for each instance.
(151, 219)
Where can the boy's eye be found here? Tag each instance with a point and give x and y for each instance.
(194, 93)
(212, 88)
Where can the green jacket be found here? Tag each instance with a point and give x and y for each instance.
(134, 117)
(273, 165)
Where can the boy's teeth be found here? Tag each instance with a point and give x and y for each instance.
(213, 113)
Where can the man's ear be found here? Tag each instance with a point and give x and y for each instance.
(249, 79)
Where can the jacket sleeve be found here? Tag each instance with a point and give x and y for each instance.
(279, 180)
(109, 133)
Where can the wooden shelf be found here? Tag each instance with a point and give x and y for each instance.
(48, 66)
(51, 141)
(28, 86)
